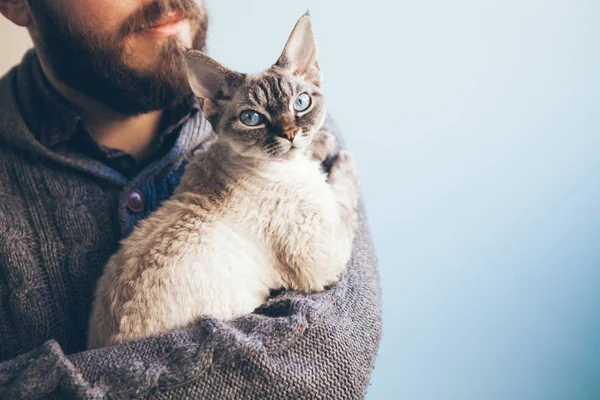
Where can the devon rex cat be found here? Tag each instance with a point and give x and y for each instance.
(252, 213)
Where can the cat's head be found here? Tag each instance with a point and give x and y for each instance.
(268, 115)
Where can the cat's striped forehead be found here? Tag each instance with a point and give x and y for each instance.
(271, 89)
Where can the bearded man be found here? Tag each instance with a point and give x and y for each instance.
(97, 124)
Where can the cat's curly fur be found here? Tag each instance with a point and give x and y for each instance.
(254, 212)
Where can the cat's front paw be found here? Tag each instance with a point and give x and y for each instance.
(322, 146)
(344, 168)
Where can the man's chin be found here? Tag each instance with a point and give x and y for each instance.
(148, 98)
(143, 91)
(150, 57)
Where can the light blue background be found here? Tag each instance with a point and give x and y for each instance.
(476, 129)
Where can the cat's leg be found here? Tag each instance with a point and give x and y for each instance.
(314, 253)
(344, 181)
(322, 146)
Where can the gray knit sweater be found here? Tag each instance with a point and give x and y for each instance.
(61, 217)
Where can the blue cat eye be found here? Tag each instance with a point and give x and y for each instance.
(302, 102)
(251, 118)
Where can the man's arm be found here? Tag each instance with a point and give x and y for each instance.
(295, 346)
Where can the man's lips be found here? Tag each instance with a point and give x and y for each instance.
(171, 25)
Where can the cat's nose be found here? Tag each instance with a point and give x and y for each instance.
(289, 133)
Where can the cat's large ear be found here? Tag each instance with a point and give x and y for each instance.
(300, 52)
(210, 81)
(208, 78)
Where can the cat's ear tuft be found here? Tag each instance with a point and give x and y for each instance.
(209, 79)
(300, 52)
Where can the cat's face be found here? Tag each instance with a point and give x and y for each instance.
(269, 115)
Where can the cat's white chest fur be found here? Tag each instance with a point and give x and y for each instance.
(229, 235)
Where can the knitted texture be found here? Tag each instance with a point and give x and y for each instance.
(61, 217)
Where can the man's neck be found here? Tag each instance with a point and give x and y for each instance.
(131, 134)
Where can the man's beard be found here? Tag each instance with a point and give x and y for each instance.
(93, 64)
